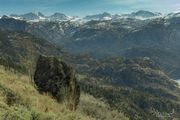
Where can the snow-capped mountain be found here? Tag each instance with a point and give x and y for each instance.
(34, 17)
(173, 14)
(142, 15)
(103, 16)
(16, 16)
(145, 14)
(134, 36)
(58, 17)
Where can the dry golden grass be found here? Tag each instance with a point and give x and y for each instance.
(98, 109)
(42, 103)
(32, 102)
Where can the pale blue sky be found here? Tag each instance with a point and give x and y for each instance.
(86, 7)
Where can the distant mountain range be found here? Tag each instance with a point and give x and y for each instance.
(35, 17)
(139, 34)
(137, 15)
(142, 15)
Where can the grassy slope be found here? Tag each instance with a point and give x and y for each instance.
(23, 49)
(19, 100)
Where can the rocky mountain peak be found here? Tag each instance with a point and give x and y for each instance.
(144, 13)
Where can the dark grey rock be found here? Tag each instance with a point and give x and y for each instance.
(57, 78)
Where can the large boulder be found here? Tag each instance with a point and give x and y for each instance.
(57, 78)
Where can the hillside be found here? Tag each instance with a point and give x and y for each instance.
(122, 85)
(20, 49)
(136, 87)
(19, 100)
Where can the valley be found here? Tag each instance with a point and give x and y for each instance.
(125, 66)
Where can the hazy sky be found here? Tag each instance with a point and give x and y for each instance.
(86, 7)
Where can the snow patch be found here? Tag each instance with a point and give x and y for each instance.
(107, 18)
(178, 81)
(17, 18)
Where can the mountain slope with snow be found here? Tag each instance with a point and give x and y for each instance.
(140, 15)
(156, 37)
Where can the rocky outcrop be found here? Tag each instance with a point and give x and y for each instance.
(57, 78)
